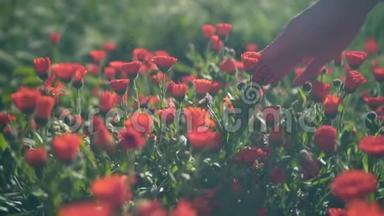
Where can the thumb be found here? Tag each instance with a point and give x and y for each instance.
(310, 73)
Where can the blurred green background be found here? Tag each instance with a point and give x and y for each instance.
(154, 24)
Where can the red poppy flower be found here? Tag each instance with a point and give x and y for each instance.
(104, 139)
(78, 78)
(202, 86)
(113, 189)
(374, 102)
(131, 69)
(109, 73)
(107, 100)
(65, 71)
(250, 61)
(55, 37)
(215, 87)
(42, 66)
(353, 80)
(353, 184)
(197, 118)
(159, 77)
(109, 46)
(372, 145)
(85, 209)
(140, 121)
(277, 175)
(36, 157)
(167, 115)
(336, 212)
(92, 68)
(43, 109)
(251, 47)
(228, 65)
(98, 55)
(361, 207)
(161, 53)
(141, 54)
(205, 139)
(331, 105)
(25, 99)
(151, 208)
(131, 139)
(208, 30)
(355, 58)
(119, 85)
(319, 90)
(371, 46)
(66, 146)
(117, 65)
(184, 208)
(325, 138)
(164, 62)
(177, 91)
(223, 29)
(250, 155)
(216, 43)
(5, 119)
(378, 72)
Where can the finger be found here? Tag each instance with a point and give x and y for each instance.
(310, 73)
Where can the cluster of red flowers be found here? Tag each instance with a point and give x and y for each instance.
(144, 114)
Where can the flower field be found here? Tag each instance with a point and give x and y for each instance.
(149, 133)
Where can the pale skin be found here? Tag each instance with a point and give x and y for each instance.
(315, 36)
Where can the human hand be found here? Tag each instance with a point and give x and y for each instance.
(315, 37)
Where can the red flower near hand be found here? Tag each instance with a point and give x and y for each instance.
(164, 63)
(223, 29)
(42, 66)
(202, 86)
(372, 145)
(43, 109)
(378, 72)
(250, 61)
(36, 157)
(205, 139)
(184, 208)
(251, 47)
(319, 90)
(55, 37)
(331, 105)
(353, 80)
(131, 69)
(353, 184)
(208, 30)
(107, 100)
(98, 55)
(325, 138)
(355, 58)
(25, 99)
(66, 146)
(114, 190)
(371, 46)
(85, 209)
(228, 65)
(131, 139)
(119, 85)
